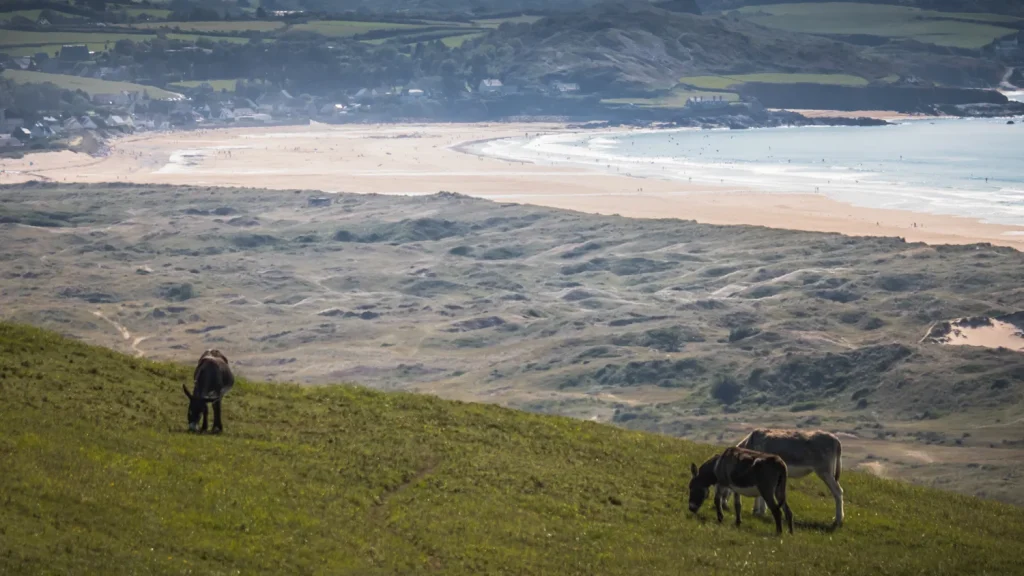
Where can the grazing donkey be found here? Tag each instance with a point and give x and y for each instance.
(746, 472)
(804, 452)
(211, 380)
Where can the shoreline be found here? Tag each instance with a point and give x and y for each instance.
(428, 158)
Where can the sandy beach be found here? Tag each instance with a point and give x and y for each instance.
(424, 159)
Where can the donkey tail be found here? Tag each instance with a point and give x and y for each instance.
(780, 488)
(839, 459)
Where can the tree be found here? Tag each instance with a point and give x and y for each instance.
(261, 13)
(450, 78)
(726, 390)
(479, 66)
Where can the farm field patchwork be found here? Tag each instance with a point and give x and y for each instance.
(958, 30)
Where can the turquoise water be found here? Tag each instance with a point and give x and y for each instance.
(958, 167)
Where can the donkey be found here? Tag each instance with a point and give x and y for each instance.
(804, 452)
(211, 380)
(746, 472)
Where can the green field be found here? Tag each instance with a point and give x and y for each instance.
(153, 12)
(32, 15)
(495, 22)
(677, 99)
(27, 38)
(88, 85)
(100, 477)
(724, 82)
(218, 85)
(197, 37)
(941, 28)
(344, 29)
(456, 41)
(213, 27)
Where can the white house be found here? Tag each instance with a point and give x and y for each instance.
(490, 86)
(413, 95)
(565, 87)
(333, 109)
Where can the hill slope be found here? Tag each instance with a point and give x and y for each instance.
(632, 46)
(99, 476)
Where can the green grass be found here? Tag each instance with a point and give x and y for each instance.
(89, 85)
(99, 476)
(495, 22)
(677, 99)
(217, 85)
(153, 12)
(942, 28)
(724, 82)
(456, 41)
(213, 27)
(197, 37)
(23, 38)
(344, 29)
(32, 15)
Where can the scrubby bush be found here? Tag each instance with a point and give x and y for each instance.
(726, 390)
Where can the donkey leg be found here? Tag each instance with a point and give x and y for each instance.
(759, 506)
(767, 492)
(218, 427)
(837, 493)
(736, 505)
(789, 515)
(719, 496)
(206, 413)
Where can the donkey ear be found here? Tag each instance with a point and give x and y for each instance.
(693, 469)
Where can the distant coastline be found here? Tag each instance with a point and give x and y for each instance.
(938, 166)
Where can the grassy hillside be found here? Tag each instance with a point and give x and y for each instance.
(630, 46)
(89, 85)
(100, 477)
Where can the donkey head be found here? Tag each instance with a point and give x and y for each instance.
(699, 489)
(196, 407)
(214, 353)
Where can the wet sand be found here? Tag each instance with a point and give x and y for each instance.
(424, 159)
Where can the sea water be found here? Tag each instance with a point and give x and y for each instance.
(960, 167)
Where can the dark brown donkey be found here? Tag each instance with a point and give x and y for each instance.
(746, 472)
(211, 380)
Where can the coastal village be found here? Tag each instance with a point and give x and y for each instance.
(202, 105)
